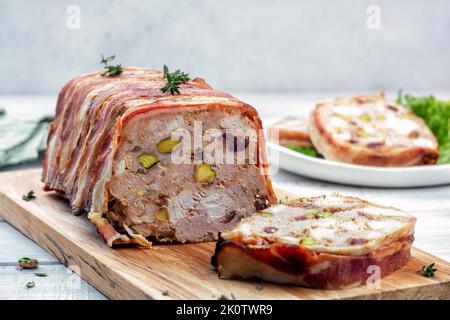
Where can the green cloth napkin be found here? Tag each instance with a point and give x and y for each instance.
(21, 140)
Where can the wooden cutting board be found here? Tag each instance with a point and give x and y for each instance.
(173, 271)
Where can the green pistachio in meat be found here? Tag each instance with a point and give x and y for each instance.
(307, 241)
(265, 214)
(324, 214)
(162, 215)
(312, 211)
(167, 145)
(147, 160)
(204, 173)
(365, 117)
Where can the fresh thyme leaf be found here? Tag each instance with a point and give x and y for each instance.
(110, 70)
(30, 284)
(113, 70)
(309, 151)
(107, 59)
(40, 274)
(29, 196)
(2, 112)
(428, 271)
(174, 80)
(259, 287)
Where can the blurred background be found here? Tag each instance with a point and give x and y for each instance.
(260, 46)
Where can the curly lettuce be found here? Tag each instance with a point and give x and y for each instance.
(436, 114)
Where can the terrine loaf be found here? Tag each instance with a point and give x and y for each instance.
(135, 159)
(370, 130)
(328, 242)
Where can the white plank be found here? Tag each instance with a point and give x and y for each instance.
(61, 283)
(14, 245)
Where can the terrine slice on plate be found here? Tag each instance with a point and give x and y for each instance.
(291, 132)
(370, 130)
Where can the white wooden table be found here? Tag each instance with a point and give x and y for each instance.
(430, 205)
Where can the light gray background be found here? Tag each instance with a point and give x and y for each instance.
(238, 45)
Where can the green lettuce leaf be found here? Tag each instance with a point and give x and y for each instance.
(309, 151)
(436, 114)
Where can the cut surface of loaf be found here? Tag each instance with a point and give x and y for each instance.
(292, 131)
(370, 130)
(111, 152)
(328, 242)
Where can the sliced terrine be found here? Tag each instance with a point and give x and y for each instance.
(291, 132)
(370, 130)
(328, 242)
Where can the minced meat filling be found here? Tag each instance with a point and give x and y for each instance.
(185, 202)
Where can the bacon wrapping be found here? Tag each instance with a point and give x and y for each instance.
(110, 153)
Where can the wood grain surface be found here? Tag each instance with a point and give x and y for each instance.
(173, 271)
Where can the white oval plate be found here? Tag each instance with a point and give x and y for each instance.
(344, 173)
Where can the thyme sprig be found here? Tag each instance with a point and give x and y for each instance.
(110, 70)
(174, 80)
(428, 271)
(29, 196)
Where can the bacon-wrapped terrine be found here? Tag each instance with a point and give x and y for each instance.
(371, 130)
(327, 242)
(111, 153)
